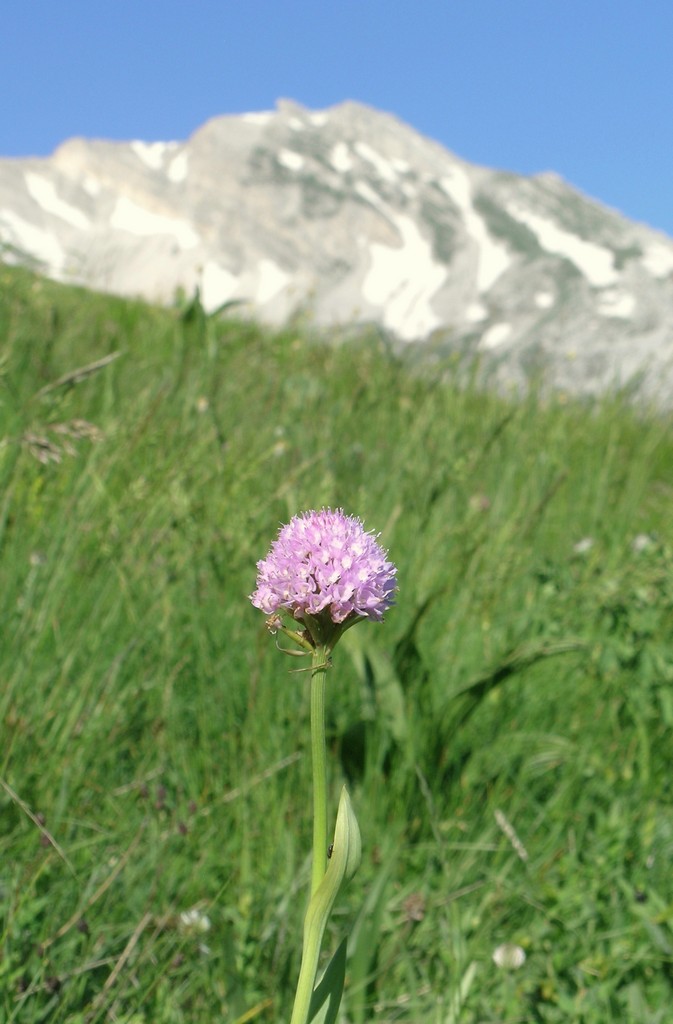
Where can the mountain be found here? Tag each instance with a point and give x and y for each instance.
(353, 216)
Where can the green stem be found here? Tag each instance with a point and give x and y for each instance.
(319, 758)
(342, 867)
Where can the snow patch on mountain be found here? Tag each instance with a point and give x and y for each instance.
(381, 164)
(217, 285)
(495, 336)
(153, 154)
(41, 244)
(261, 117)
(493, 257)
(366, 192)
(271, 280)
(613, 302)
(403, 281)
(658, 259)
(178, 168)
(475, 312)
(340, 158)
(91, 185)
(138, 220)
(293, 161)
(594, 261)
(44, 193)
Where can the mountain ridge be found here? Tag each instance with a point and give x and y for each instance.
(352, 215)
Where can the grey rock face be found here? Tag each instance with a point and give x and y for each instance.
(354, 217)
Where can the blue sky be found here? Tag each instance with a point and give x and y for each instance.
(581, 87)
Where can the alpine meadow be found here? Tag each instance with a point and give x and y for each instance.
(505, 736)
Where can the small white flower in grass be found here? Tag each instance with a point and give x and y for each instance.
(508, 956)
(194, 921)
(641, 542)
(583, 546)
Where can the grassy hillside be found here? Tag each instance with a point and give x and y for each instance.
(506, 734)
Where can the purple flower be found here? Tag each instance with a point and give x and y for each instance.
(324, 565)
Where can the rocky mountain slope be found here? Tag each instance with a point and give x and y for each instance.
(354, 217)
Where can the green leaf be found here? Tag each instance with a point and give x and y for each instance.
(326, 997)
(345, 860)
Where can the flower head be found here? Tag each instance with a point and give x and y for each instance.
(325, 566)
(194, 920)
(509, 956)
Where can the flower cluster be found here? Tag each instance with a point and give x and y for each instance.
(326, 564)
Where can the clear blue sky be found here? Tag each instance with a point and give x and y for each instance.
(581, 87)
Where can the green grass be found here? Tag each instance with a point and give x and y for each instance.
(155, 744)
